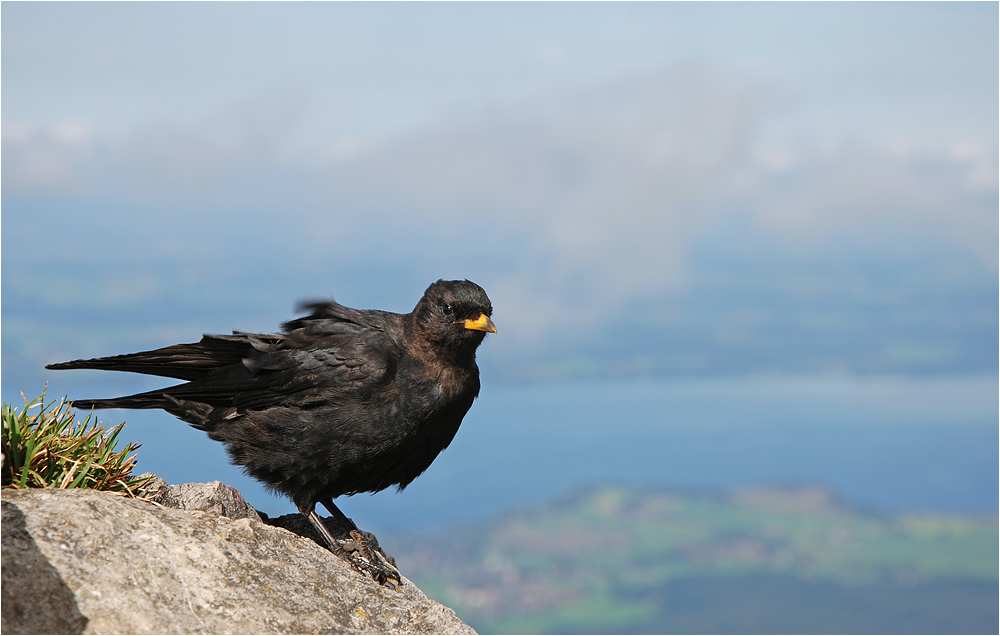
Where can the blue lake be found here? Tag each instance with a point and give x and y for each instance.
(882, 443)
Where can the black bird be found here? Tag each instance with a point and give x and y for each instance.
(343, 401)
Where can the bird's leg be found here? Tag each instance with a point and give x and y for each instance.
(338, 515)
(346, 549)
(343, 548)
(321, 529)
(386, 565)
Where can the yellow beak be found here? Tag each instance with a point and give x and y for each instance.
(483, 323)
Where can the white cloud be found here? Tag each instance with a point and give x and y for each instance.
(551, 52)
(587, 204)
(43, 160)
(72, 132)
(872, 191)
(983, 171)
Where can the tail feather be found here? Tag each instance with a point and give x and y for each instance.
(212, 368)
(183, 361)
(201, 416)
(150, 400)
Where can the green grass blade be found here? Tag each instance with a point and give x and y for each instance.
(81, 476)
(45, 447)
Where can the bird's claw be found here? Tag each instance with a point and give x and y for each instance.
(359, 553)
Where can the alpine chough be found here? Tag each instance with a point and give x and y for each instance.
(342, 401)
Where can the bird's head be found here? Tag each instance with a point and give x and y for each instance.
(455, 314)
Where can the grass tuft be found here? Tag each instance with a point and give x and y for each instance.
(44, 448)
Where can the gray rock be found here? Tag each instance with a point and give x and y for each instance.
(214, 497)
(79, 561)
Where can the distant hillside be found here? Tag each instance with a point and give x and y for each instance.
(615, 560)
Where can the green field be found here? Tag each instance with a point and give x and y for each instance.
(758, 560)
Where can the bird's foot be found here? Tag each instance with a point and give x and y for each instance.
(358, 551)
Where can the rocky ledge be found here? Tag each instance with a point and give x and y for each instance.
(198, 562)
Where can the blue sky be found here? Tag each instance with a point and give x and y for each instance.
(652, 188)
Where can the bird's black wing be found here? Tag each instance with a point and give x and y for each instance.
(312, 367)
(323, 314)
(320, 362)
(317, 358)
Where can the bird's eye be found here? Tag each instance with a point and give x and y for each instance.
(447, 308)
